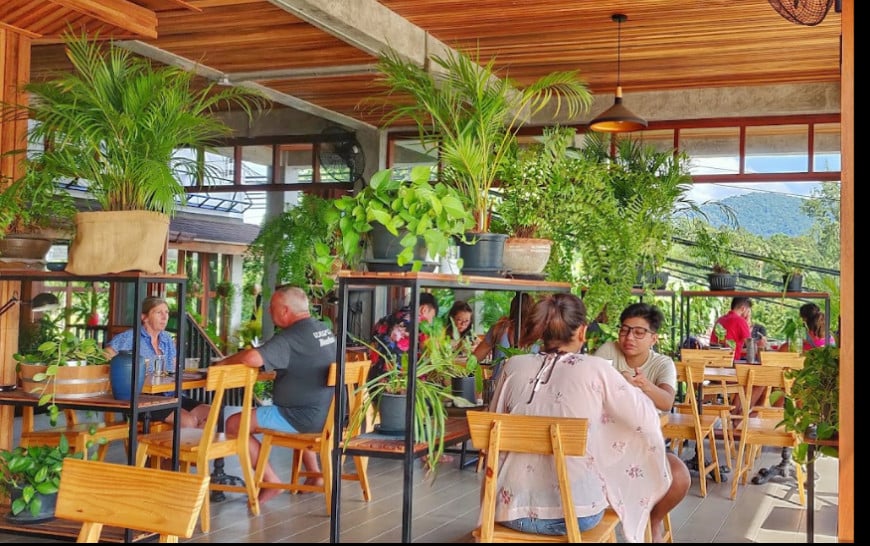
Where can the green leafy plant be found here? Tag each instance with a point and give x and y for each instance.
(437, 365)
(33, 469)
(474, 113)
(33, 203)
(131, 130)
(412, 209)
(812, 407)
(714, 246)
(303, 241)
(65, 349)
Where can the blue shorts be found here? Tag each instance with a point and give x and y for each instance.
(271, 417)
(551, 526)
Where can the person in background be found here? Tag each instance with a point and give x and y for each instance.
(155, 340)
(459, 320)
(626, 466)
(633, 355)
(503, 333)
(300, 354)
(736, 325)
(814, 319)
(392, 333)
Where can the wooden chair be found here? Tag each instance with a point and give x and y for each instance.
(560, 437)
(763, 430)
(199, 446)
(79, 435)
(729, 392)
(691, 424)
(788, 360)
(355, 375)
(144, 499)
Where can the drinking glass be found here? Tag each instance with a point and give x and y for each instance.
(160, 366)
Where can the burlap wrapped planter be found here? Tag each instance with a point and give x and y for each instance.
(116, 241)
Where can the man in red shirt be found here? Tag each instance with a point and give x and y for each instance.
(736, 324)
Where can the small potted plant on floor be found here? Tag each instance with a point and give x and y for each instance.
(30, 477)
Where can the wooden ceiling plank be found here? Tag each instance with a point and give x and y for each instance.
(119, 13)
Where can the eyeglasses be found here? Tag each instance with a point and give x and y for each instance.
(637, 332)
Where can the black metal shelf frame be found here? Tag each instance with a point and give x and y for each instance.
(416, 282)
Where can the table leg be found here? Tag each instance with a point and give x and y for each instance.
(218, 475)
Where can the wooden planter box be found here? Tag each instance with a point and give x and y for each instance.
(70, 381)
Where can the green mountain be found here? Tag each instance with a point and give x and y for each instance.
(764, 214)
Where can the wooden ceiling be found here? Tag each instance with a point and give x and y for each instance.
(319, 58)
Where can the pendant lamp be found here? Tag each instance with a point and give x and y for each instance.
(617, 118)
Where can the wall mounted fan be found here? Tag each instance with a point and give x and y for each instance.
(341, 156)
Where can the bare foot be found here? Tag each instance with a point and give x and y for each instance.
(312, 481)
(268, 494)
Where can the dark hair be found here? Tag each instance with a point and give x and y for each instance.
(522, 303)
(758, 331)
(427, 298)
(650, 313)
(554, 320)
(458, 307)
(813, 318)
(740, 301)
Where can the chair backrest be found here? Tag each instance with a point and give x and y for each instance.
(783, 359)
(355, 375)
(770, 377)
(536, 434)
(714, 358)
(220, 380)
(691, 373)
(131, 497)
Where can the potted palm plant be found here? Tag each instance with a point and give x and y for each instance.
(132, 133)
(474, 114)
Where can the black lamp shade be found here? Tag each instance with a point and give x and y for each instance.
(617, 118)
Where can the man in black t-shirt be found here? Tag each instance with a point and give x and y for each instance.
(300, 354)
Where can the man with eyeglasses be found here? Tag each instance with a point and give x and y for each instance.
(633, 355)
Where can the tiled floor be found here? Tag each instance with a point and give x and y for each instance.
(446, 510)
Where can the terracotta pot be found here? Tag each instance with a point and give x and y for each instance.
(526, 256)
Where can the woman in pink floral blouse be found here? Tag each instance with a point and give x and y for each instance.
(626, 465)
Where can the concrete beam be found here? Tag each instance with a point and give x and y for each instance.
(367, 25)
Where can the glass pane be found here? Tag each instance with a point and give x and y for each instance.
(661, 140)
(406, 153)
(826, 147)
(777, 149)
(714, 150)
(256, 165)
(295, 163)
